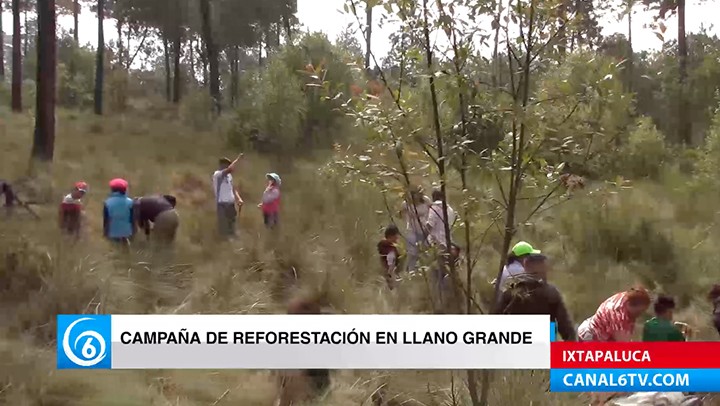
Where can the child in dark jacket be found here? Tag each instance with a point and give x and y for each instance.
(389, 254)
(71, 208)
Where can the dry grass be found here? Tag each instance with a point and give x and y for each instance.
(326, 244)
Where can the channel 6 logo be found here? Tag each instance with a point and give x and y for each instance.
(83, 341)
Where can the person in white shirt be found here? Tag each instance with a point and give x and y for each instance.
(227, 198)
(415, 213)
(436, 220)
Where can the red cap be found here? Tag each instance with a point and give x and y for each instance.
(81, 186)
(118, 183)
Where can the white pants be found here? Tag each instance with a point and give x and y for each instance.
(415, 240)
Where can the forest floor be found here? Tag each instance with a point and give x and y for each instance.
(600, 242)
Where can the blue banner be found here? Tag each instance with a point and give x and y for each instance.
(83, 341)
(635, 380)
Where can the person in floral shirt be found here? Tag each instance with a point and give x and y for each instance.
(615, 319)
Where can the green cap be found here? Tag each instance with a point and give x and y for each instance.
(522, 248)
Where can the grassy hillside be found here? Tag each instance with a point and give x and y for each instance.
(603, 240)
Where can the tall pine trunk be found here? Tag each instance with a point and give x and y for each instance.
(260, 49)
(562, 31)
(368, 36)
(26, 36)
(76, 44)
(76, 21)
(121, 45)
(191, 57)
(44, 141)
(631, 53)
(100, 59)
(168, 74)
(203, 61)
(177, 79)
(684, 124)
(212, 55)
(2, 46)
(234, 74)
(16, 59)
(288, 30)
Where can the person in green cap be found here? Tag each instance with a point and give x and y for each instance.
(661, 327)
(521, 252)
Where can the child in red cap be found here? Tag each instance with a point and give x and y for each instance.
(71, 208)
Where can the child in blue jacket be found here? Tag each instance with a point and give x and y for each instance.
(118, 224)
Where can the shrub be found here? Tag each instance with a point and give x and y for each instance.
(195, 110)
(628, 228)
(645, 151)
(709, 163)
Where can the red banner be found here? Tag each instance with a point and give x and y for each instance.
(635, 355)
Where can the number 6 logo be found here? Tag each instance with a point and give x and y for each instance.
(90, 352)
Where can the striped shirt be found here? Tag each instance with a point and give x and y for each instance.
(609, 319)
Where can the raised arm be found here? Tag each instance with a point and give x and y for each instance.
(232, 165)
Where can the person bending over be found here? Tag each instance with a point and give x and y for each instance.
(530, 293)
(160, 212)
(615, 319)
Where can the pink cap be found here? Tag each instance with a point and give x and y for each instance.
(119, 183)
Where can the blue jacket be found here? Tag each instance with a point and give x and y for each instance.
(118, 216)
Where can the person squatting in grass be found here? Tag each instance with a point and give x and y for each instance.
(71, 210)
(227, 198)
(118, 215)
(530, 293)
(295, 387)
(661, 327)
(414, 211)
(270, 204)
(615, 319)
(157, 213)
(390, 255)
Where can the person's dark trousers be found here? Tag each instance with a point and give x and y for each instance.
(226, 215)
(271, 219)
